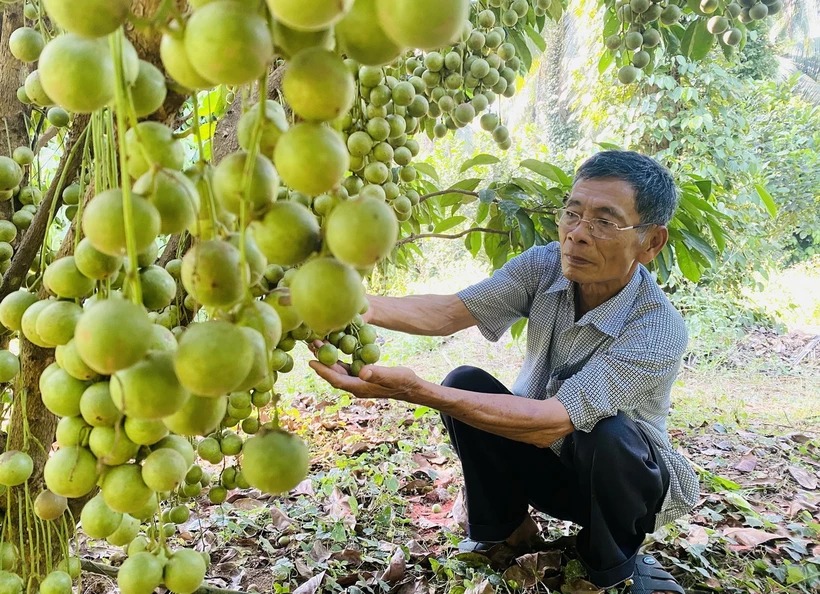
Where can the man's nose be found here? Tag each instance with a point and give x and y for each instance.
(581, 232)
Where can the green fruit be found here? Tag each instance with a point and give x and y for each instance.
(200, 416)
(213, 274)
(733, 36)
(628, 74)
(48, 506)
(77, 73)
(69, 359)
(124, 490)
(72, 431)
(717, 25)
(641, 59)
(14, 306)
(257, 190)
(94, 264)
(140, 573)
(175, 197)
(90, 18)
(71, 472)
(228, 44)
(177, 64)
(112, 335)
(149, 389)
(184, 571)
(362, 38)
(275, 461)
(312, 288)
(288, 42)
(633, 40)
(361, 232)
(15, 468)
(104, 224)
(9, 366)
(10, 173)
(62, 278)
(309, 16)
(111, 445)
(708, 6)
(99, 520)
(274, 124)
(61, 393)
(56, 582)
(287, 234)
(10, 583)
(213, 358)
(59, 118)
(422, 24)
(311, 158)
(759, 11)
(318, 86)
(164, 470)
(144, 431)
(97, 408)
(152, 144)
(158, 287)
(26, 44)
(126, 532)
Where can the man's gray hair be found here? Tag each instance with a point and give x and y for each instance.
(656, 195)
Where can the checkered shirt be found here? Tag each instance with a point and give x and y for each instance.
(623, 355)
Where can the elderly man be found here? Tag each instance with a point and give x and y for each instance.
(582, 435)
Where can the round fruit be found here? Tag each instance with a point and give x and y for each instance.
(94, 264)
(152, 144)
(717, 25)
(28, 323)
(97, 408)
(708, 6)
(176, 62)
(361, 37)
(327, 354)
(633, 40)
(48, 506)
(641, 59)
(671, 14)
(184, 571)
(309, 16)
(14, 306)
(90, 18)
(200, 416)
(228, 44)
(288, 42)
(10, 173)
(149, 389)
(263, 318)
(279, 299)
(61, 393)
(213, 274)
(149, 91)
(174, 195)
(733, 36)
(15, 468)
(164, 470)
(422, 24)
(57, 322)
(77, 73)
(9, 556)
(327, 294)
(311, 158)
(10, 583)
(158, 287)
(56, 582)
(317, 85)
(274, 124)
(759, 11)
(69, 359)
(26, 44)
(99, 520)
(140, 573)
(9, 366)
(259, 363)
(126, 532)
(62, 278)
(361, 232)
(34, 90)
(213, 358)
(275, 461)
(232, 187)
(628, 74)
(112, 334)
(72, 431)
(104, 225)
(111, 445)
(71, 472)
(124, 490)
(288, 233)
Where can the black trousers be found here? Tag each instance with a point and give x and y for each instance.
(610, 481)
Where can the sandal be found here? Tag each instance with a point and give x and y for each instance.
(650, 577)
(468, 545)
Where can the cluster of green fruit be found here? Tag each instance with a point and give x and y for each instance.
(644, 23)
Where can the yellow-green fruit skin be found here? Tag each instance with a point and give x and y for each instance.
(318, 86)
(184, 571)
(311, 158)
(112, 335)
(423, 24)
(149, 389)
(90, 18)
(361, 232)
(327, 294)
(309, 16)
(287, 234)
(140, 573)
(362, 38)
(275, 461)
(77, 73)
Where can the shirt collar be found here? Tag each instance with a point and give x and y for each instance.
(610, 316)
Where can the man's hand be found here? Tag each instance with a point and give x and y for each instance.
(399, 383)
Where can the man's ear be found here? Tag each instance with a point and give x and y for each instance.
(653, 243)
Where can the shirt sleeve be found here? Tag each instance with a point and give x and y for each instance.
(499, 301)
(639, 365)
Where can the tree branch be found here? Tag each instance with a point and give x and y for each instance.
(411, 238)
(107, 570)
(450, 191)
(35, 235)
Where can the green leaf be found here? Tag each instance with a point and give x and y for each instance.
(767, 200)
(521, 49)
(509, 207)
(705, 187)
(536, 37)
(700, 244)
(548, 170)
(449, 223)
(612, 24)
(475, 243)
(527, 229)
(481, 212)
(468, 184)
(517, 329)
(702, 41)
(427, 170)
(482, 159)
(609, 146)
(717, 233)
(555, 10)
(486, 196)
(607, 57)
(687, 266)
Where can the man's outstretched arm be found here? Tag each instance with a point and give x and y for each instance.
(538, 422)
(427, 315)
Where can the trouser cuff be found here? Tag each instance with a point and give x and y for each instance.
(492, 532)
(613, 576)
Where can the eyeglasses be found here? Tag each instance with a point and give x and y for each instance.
(598, 228)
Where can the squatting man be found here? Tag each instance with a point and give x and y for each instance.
(582, 434)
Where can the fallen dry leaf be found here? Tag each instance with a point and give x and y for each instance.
(279, 519)
(541, 562)
(747, 463)
(311, 586)
(419, 586)
(749, 537)
(395, 570)
(482, 587)
(518, 577)
(697, 535)
(806, 480)
(339, 509)
(579, 586)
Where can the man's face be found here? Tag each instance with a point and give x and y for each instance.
(605, 265)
